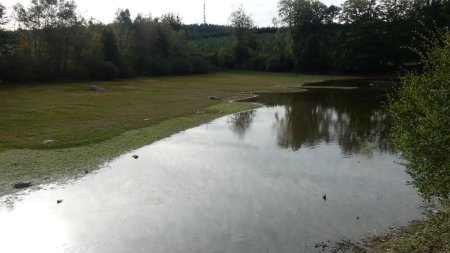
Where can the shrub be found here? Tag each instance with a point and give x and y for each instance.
(225, 57)
(78, 72)
(200, 66)
(127, 71)
(18, 67)
(157, 66)
(102, 70)
(421, 109)
(181, 66)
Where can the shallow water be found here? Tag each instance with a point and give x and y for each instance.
(250, 182)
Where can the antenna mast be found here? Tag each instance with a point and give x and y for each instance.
(204, 12)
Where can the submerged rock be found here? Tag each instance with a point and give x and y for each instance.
(22, 185)
(321, 245)
(46, 142)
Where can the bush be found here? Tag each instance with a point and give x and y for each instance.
(421, 109)
(226, 58)
(255, 62)
(102, 70)
(127, 71)
(278, 63)
(18, 67)
(43, 69)
(78, 72)
(200, 66)
(181, 66)
(157, 66)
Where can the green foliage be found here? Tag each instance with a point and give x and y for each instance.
(102, 70)
(226, 57)
(200, 65)
(172, 20)
(360, 11)
(421, 110)
(201, 31)
(110, 49)
(361, 36)
(371, 35)
(212, 45)
(59, 44)
(19, 66)
(243, 34)
(78, 72)
(309, 22)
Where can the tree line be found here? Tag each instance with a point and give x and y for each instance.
(52, 41)
(358, 36)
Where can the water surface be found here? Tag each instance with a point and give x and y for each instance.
(249, 182)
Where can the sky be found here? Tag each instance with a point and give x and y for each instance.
(191, 11)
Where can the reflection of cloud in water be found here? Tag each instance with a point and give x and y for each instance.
(241, 122)
(33, 228)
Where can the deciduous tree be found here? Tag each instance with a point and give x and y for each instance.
(242, 27)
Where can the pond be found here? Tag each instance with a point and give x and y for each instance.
(305, 168)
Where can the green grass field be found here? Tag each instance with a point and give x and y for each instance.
(92, 127)
(71, 115)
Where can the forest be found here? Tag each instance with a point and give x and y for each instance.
(51, 41)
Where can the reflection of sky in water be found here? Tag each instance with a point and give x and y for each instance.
(228, 186)
(36, 228)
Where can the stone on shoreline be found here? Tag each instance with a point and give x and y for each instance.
(22, 185)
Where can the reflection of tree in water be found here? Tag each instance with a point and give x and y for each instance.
(353, 119)
(241, 122)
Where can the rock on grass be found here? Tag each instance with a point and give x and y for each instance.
(22, 185)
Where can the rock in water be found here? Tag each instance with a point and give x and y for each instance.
(324, 197)
(59, 201)
(22, 185)
(135, 156)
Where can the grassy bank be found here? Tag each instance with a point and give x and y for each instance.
(92, 127)
(428, 235)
